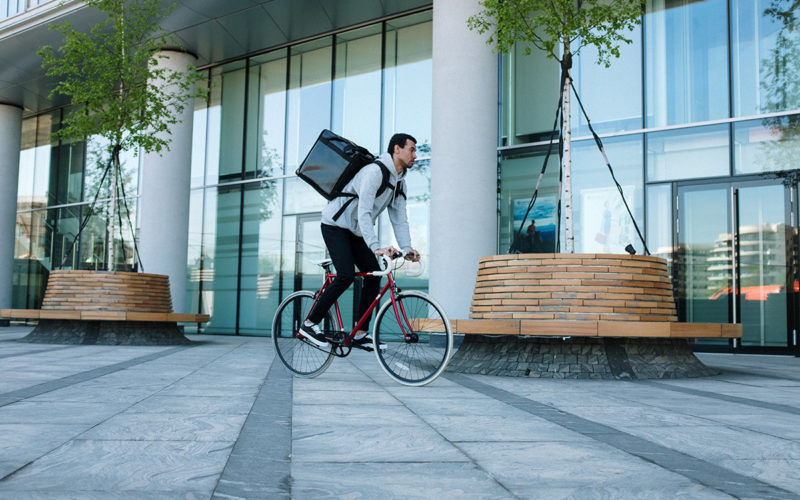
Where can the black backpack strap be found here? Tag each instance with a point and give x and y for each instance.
(339, 212)
(385, 184)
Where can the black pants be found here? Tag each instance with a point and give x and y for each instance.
(347, 251)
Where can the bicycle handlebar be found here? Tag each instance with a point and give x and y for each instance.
(388, 265)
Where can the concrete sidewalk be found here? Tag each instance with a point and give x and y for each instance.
(223, 419)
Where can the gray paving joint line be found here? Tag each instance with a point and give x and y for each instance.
(472, 460)
(52, 385)
(724, 397)
(693, 468)
(259, 465)
(34, 352)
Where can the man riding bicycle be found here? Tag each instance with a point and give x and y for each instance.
(348, 228)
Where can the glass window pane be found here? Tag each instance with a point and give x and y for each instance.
(195, 260)
(265, 149)
(602, 223)
(259, 293)
(686, 61)
(41, 171)
(767, 145)
(221, 257)
(199, 134)
(530, 96)
(518, 177)
(612, 96)
(231, 123)
(30, 272)
(299, 197)
(703, 255)
(213, 128)
(357, 87)
(762, 265)
(93, 252)
(27, 164)
(688, 153)
(309, 101)
(765, 59)
(408, 80)
(659, 221)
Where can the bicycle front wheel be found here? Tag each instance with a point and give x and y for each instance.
(417, 337)
(301, 357)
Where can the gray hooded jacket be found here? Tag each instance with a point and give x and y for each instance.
(360, 215)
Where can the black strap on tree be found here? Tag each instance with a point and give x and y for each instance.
(556, 121)
(115, 185)
(610, 170)
(88, 215)
(130, 225)
(91, 211)
(566, 64)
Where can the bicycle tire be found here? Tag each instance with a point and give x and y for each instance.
(301, 357)
(408, 361)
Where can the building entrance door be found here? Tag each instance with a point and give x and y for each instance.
(734, 242)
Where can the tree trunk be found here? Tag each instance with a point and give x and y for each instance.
(113, 209)
(569, 234)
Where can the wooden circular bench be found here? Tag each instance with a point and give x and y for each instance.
(578, 316)
(579, 295)
(127, 304)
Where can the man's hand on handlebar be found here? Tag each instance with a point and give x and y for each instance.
(393, 253)
(390, 252)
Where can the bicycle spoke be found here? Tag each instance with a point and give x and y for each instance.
(417, 336)
(301, 357)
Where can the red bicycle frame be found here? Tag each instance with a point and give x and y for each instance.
(390, 286)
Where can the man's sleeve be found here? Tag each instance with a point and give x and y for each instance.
(399, 218)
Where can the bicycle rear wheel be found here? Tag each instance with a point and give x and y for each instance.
(301, 357)
(417, 336)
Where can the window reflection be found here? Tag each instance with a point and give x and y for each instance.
(612, 96)
(518, 176)
(267, 103)
(357, 87)
(686, 61)
(602, 223)
(259, 293)
(309, 98)
(765, 58)
(688, 153)
(768, 145)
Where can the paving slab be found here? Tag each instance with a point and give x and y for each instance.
(221, 418)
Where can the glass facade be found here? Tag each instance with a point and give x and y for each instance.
(254, 227)
(254, 231)
(700, 119)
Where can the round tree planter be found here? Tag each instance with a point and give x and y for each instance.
(110, 308)
(578, 316)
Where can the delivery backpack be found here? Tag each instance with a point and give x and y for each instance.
(332, 162)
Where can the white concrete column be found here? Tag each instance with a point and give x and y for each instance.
(10, 137)
(463, 218)
(164, 202)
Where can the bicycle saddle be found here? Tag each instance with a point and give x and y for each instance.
(324, 263)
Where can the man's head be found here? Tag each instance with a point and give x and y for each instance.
(403, 148)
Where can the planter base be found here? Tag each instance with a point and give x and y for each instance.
(578, 358)
(60, 331)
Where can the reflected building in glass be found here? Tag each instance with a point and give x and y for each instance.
(699, 116)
